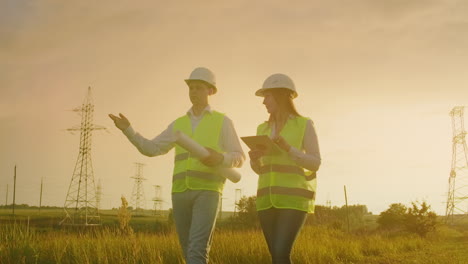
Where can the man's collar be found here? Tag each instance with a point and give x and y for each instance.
(206, 110)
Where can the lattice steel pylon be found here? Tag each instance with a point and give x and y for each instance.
(457, 198)
(99, 195)
(157, 206)
(80, 204)
(237, 197)
(138, 193)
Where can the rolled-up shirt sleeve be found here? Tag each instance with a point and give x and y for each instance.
(309, 157)
(229, 141)
(159, 145)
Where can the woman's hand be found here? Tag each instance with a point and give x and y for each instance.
(281, 142)
(255, 154)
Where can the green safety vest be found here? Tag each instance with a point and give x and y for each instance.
(189, 172)
(282, 183)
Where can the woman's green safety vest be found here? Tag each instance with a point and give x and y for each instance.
(282, 183)
(189, 172)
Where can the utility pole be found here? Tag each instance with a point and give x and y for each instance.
(14, 191)
(6, 198)
(40, 196)
(347, 211)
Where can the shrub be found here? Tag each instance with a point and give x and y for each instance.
(393, 218)
(415, 219)
(246, 215)
(336, 217)
(420, 220)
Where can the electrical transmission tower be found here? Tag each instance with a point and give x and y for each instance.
(237, 197)
(99, 195)
(157, 200)
(220, 214)
(457, 200)
(80, 204)
(138, 194)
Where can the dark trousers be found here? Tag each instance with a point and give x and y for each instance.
(280, 228)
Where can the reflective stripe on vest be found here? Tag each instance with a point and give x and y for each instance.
(281, 183)
(189, 172)
(196, 174)
(286, 191)
(287, 169)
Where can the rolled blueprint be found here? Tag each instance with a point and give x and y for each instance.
(200, 152)
(197, 150)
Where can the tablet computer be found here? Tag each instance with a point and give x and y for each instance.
(262, 142)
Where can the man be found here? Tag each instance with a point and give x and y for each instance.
(196, 184)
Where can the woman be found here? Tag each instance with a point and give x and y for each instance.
(287, 182)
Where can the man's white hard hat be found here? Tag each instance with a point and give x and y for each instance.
(205, 75)
(276, 81)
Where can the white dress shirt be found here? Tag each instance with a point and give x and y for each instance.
(228, 141)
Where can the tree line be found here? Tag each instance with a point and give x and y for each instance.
(417, 218)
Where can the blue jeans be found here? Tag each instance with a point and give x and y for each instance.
(195, 214)
(280, 228)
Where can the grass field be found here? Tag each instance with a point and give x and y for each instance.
(43, 242)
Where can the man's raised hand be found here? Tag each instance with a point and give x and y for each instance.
(121, 123)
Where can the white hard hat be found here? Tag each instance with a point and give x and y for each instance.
(277, 80)
(203, 74)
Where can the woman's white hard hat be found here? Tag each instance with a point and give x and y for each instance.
(276, 81)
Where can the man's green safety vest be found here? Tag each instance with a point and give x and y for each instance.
(189, 172)
(282, 183)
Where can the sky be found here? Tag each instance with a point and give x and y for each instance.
(377, 77)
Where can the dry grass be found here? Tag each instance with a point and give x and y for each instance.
(314, 245)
